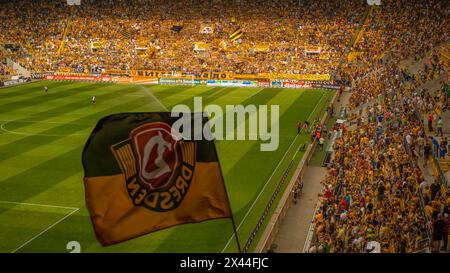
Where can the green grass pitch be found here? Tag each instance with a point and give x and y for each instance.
(42, 205)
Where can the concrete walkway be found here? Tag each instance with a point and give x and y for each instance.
(296, 224)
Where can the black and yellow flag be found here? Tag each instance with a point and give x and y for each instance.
(126, 33)
(236, 34)
(139, 178)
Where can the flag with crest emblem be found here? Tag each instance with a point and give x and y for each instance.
(139, 178)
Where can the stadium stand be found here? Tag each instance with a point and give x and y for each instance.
(372, 192)
(278, 36)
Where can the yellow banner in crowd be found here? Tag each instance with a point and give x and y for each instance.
(68, 73)
(200, 46)
(218, 75)
(353, 55)
(116, 72)
(65, 69)
(97, 44)
(250, 76)
(300, 77)
(148, 73)
(313, 49)
(168, 74)
(262, 48)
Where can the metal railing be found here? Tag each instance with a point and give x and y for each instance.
(441, 177)
(268, 207)
(287, 199)
(427, 220)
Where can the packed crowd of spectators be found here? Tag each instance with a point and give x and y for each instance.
(32, 31)
(385, 79)
(375, 195)
(274, 34)
(6, 72)
(371, 199)
(143, 34)
(140, 34)
(402, 28)
(160, 35)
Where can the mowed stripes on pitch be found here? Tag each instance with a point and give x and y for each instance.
(249, 175)
(46, 169)
(32, 164)
(252, 161)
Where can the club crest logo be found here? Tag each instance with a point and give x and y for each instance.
(157, 154)
(158, 169)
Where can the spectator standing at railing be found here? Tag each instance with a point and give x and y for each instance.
(427, 151)
(430, 122)
(321, 142)
(420, 143)
(438, 231)
(442, 148)
(423, 186)
(299, 126)
(435, 188)
(439, 125)
(306, 126)
(445, 232)
(435, 143)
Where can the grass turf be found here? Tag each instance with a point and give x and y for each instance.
(42, 205)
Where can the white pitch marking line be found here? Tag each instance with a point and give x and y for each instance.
(2, 127)
(154, 97)
(262, 190)
(47, 122)
(237, 97)
(37, 205)
(213, 95)
(267, 182)
(42, 232)
(252, 95)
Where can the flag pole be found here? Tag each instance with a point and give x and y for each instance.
(228, 199)
(229, 206)
(235, 233)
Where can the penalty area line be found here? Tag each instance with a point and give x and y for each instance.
(45, 230)
(2, 128)
(37, 205)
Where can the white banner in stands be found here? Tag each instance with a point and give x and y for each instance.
(13, 82)
(73, 2)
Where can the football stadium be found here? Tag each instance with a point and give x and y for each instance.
(308, 126)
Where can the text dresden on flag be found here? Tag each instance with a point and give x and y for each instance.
(139, 178)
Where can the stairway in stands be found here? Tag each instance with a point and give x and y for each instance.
(66, 30)
(359, 32)
(15, 66)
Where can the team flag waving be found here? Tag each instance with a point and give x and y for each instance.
(236, 34)
(140, 179)
(126, 33)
